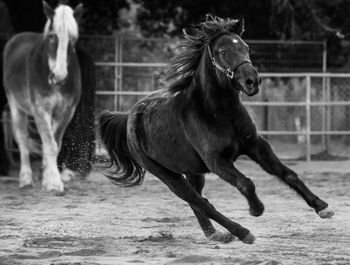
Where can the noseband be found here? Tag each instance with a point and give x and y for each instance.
(230, 73)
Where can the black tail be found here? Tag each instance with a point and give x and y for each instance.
(113, 135)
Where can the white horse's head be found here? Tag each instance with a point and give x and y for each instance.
(61, 31)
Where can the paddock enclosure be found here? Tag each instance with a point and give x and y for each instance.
(301, 109)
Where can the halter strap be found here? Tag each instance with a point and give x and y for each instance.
(228, 72)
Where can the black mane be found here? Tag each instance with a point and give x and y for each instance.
(182, 66)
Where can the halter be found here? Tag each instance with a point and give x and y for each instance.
(228, 72)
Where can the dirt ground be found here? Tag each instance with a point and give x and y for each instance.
(99, 223)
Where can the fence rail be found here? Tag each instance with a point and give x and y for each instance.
(305, 105)
(305, 101)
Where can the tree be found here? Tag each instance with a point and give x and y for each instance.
(157, 17)
(267, 19)
(99, 18)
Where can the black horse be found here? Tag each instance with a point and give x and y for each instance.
(196, 125)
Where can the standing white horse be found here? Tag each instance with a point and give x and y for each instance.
(42, 80)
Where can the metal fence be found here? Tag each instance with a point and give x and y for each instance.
(301, 110)
(304, 115)
(134, 66)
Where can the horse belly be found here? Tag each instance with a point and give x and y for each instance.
(167, 144)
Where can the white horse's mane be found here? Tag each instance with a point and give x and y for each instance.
(64, 25)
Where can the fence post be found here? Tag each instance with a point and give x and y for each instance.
(118, 69)
(308, 118)
(324, 98)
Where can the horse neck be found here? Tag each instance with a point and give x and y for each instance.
(216, 97)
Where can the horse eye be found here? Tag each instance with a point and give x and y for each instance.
(223, 53)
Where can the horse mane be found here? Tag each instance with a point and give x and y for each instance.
(63, 20)
(181, 68)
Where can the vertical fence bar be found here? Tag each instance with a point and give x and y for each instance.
(120, 70)
(324, 97)
(308, 118)
(328, 112)
(324, 57)
(117, 70)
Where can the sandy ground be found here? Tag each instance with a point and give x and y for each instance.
(99, 223)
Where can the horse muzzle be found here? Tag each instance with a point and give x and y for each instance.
(251, 85)
(55, 81)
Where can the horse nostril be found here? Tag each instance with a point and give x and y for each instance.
(260, 80)
(249, 82)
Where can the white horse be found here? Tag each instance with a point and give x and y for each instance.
(42, 80)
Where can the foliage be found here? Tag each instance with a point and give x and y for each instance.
(268, 19)
(100, 17)
(157, 17)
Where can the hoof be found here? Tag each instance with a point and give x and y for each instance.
(57, 193)
(249, 239)
(222, 237)
(25, 180)
(257, 210)
(325, 213)
(56, 189)
(25, 187)
(67, 175)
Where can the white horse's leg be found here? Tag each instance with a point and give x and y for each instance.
(51, 177)
(20, 130)
(60, 127)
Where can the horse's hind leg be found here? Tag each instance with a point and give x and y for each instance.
(20, 130)
(183, 189)
(262, 153)
(51, 177)
(197, 181)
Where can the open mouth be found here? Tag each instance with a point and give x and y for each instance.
(251, 92)
(242, 88)
(237, 87)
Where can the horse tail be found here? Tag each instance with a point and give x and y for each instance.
(114, 137)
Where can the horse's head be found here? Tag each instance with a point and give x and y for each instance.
(61, 33)
(229, 55)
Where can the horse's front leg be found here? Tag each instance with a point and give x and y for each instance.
(20, 130)
(224, 168)
(51, 177)
(261, 152)
(59, 127)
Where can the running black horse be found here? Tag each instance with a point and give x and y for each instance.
(197, 124)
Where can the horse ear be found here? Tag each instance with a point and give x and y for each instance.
(48, 11)
(240, 26)
(78, 12)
